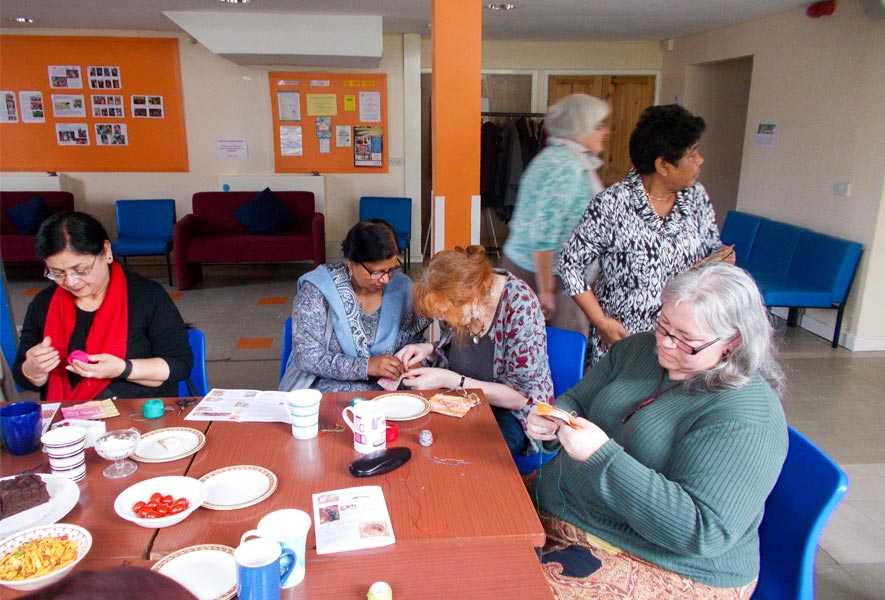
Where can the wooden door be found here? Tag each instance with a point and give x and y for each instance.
(628, 96)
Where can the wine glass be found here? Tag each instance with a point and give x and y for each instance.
(117, 446)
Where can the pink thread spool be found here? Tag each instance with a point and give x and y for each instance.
(425, 438)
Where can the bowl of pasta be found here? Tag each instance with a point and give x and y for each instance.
(40, 556)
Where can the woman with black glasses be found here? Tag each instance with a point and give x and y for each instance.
(100, 331)
(350, 317)
(677, 438)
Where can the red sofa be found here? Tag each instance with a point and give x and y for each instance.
(211, 234)
(15, 247)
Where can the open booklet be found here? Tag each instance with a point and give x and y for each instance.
(351, 519)
(241, 406)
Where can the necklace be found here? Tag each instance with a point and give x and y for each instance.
(651, 197)
(658, 393)
(477, 333)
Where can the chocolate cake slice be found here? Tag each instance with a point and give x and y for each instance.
(21, 493)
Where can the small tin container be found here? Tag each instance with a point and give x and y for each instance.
(425, 438)
(356, 401)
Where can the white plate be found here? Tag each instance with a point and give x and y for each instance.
(63, 496)
(171, 443)
(230, 488)
(208, 571)
(403, 407)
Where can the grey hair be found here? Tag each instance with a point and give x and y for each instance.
(727, 300)
(575, 116)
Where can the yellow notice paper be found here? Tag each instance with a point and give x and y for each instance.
(322, 104)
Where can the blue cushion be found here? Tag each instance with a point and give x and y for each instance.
(825, 262)
(774, 245)
(28, 215)
(265, 215)
(782, 290)
(141, 246)
(740, 229)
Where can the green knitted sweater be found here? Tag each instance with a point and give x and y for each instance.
(683, 482)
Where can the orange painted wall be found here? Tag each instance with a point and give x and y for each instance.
(456, 92)
(148, 66)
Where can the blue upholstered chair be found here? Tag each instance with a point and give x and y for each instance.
(144, 228)
(565, 351)
(197, 379)
(287, 346)
(8, 334)
(807, 491)
(397, 212)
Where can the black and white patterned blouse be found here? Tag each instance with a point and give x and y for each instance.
(638, 250)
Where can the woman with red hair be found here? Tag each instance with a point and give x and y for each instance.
(493, 339)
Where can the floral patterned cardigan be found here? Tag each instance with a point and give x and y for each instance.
(520, 355)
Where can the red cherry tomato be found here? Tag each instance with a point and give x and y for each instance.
(181, 502)
(138, 506)
(156, 497)
(152, 514)
(168, 500)
(163, 510)
(143, 513)
(176, 508)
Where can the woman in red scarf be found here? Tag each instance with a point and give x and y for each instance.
(133, 337)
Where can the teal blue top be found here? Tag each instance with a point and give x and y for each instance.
(553, 193)
(683, 482)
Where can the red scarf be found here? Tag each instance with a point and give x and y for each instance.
(107, 335)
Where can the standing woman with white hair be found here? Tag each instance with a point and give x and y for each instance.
(553, 193)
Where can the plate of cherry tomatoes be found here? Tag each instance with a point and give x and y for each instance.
(161, 501)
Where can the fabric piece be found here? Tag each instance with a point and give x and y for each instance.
(28, 215)
(638, 251)
(106, 335)
(683, 482)
(155, 329)
(265, 215)
(520, 359)
(577, 567)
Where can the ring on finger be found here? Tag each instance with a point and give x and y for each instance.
(88, 373)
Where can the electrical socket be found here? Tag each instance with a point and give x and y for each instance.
(842, 188)
(396, 161)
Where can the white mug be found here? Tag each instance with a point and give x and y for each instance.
(369, 426)
(287, 527)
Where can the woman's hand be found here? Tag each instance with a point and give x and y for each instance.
(414, 354)
(583, 442)
(548, 304)
(100, 366)
(40, 360)
(385, 365)
(431, 378)
(541, 428)
(610, 330)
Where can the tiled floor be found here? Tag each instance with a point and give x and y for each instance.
(835, 397)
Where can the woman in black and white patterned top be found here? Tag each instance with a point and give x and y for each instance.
(644, 230)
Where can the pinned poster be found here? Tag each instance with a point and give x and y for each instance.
(290, 140)
(9, 110)
(370, 107)
(368, 146)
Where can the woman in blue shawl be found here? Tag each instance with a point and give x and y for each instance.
(350, 317)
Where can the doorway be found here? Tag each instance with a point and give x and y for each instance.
(720, 93)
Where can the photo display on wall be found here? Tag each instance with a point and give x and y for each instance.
(79, 103)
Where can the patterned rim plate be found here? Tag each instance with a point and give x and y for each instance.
(165, 445)
(403, 407)
(63, 496)
(208, 571)
(236, 487)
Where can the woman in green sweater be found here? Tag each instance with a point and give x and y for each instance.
(678, 438)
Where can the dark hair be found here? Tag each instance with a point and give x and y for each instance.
(667, 131)
(110, 584)
(75, 231)
(372, 240)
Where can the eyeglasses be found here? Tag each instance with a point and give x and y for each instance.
(59, 275)
(376, 275)
(681, 344)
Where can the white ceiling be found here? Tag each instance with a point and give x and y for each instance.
(530, 20)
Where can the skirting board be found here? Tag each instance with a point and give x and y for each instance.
(825, 330)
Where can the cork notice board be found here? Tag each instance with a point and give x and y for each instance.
(329, 122)
(91, 104)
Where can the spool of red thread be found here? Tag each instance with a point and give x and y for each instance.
(392, 432)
